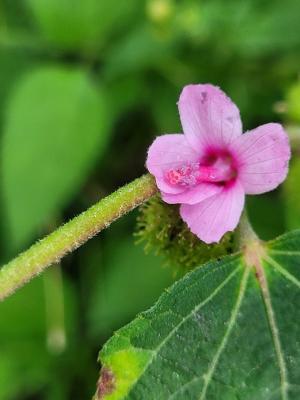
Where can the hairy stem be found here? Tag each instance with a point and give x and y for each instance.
(73, 234)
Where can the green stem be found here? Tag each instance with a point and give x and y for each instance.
(55, 309)
(245, 233)
(73, 234)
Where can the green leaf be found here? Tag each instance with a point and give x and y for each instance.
(12, 66)
(227, 330)
(56, 128)
(83, 25)
(254, 39)
(141, 49)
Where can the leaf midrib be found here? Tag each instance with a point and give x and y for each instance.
(265, 292)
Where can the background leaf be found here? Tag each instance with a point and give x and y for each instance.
(131, 268)
(56, 127)
(226, 330)
(83, 25)
(142, 48)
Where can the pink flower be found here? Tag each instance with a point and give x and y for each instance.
(210, 168)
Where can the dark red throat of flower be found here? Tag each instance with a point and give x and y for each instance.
(215, 170)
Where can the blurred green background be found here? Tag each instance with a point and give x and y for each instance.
(85, 86)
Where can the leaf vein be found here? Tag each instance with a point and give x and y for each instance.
(174, 330)
(285, 253)
(233, 317)
(282, 271)
(274, 331)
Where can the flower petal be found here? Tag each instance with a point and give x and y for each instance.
(169, 152)
(208, 116)
(215, 216)
(193, 195)
(262, 156)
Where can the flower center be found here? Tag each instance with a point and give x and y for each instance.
(212, 168)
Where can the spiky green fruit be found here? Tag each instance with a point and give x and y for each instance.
(161, 229)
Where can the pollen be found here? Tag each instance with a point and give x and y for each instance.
(184, 176)
(213, 168)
